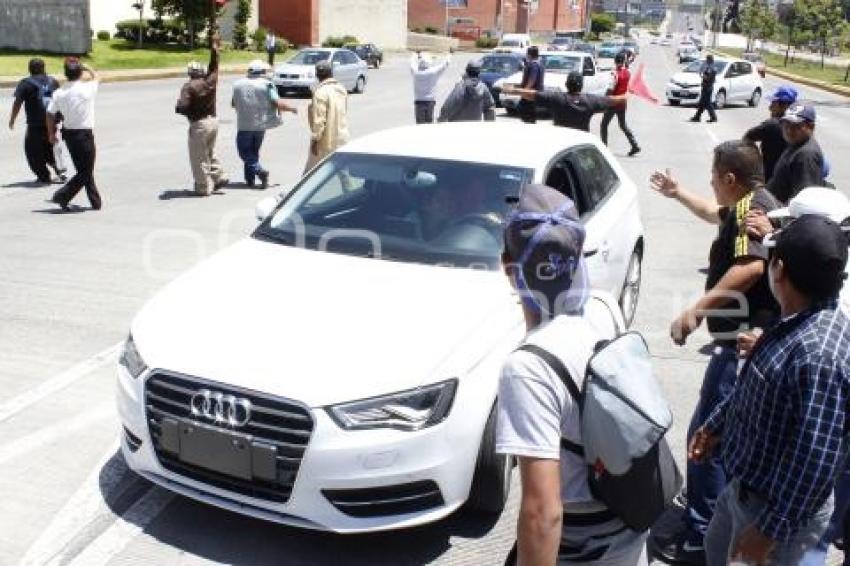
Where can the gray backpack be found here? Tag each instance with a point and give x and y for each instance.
(624, 418)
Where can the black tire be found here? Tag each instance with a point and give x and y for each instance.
(755, 98)
(631, 287)
(360, 85)
(491, 483)
(673, 102)
(511, 111)
(721, 100)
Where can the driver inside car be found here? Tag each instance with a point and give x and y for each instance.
(447, 204)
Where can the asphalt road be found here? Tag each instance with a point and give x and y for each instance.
(70, 284)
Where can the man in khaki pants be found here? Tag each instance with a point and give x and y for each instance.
(197, 103)
(328, 116)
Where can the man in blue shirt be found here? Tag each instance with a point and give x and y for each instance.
(784, 423)
(532, 79)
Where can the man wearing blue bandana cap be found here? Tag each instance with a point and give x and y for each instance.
(768, 134)
(559, 521)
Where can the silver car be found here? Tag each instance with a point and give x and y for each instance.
(299, 73)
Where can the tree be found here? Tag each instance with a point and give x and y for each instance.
(793, 17)
(240, 30)
(198, 14)
(758, 21)
(824, 19)
(602, 23)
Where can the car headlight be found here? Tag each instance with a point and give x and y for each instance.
(131, 359)
(408, 410)
(310, 75)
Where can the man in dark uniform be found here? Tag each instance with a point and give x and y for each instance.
(706, 97)
(768, 134)
(570, 109)
(801, 165)
(532, 79)
(33, 93)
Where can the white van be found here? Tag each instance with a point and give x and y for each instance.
(514, 43)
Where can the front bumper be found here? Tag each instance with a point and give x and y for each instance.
(682, 94)
(300, 83)
(348, 481)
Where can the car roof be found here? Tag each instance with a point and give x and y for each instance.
(511, 144)
(562, 53)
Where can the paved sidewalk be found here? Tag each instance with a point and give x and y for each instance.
(124, 75)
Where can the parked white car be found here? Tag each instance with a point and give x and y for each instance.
(737, 82)
(557, 65)
(513, 43)
(299, 73)
(338, 369)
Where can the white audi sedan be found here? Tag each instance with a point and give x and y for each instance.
(338, 369)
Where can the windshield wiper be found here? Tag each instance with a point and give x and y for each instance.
(270, 236)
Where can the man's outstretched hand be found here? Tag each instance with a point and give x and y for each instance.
(665, 183)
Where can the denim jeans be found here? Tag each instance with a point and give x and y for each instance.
(734, 514)
(707, 480)
(248, 145)
(838, 524)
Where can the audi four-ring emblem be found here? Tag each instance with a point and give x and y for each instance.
(221, 408)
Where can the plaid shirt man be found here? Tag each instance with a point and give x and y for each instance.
(784, 423)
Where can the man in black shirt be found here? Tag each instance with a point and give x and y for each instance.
(768, 134)
(737, 298)
(801, 165)
(570, 109)
(33, 93)
(706, 97)
(532, 79)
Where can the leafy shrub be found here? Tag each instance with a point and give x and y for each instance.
(332, 41)
(259, 40)
(485, 42)
(432, 30)
(155, 30)
(103, 35)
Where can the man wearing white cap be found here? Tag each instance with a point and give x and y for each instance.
(257, 105)
(801, 164)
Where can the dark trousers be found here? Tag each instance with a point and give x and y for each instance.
(82, 149)
(620, 113)
(707, 480)
(248, 145)
(39, 152)
(527, 111)
(705, 104)
(424, 111)
(271, 53)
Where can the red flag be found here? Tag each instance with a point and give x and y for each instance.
(638, 87)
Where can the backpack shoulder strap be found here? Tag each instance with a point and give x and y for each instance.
(563, 373)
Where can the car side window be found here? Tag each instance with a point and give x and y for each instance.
(589, 69)
(597, 178)
(562, 177)
(745, 68)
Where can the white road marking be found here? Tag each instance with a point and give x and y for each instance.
(712, 135)
(46, 436)
(108, 545)
(57, 383)
(83, 507)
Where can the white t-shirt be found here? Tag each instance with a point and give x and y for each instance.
(75, 100)
(535, 408)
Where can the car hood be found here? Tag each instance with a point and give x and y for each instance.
(490, 77)
(323, 328)
(690, 79)
(289, 68)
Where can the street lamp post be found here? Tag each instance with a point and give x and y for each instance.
(140, 6)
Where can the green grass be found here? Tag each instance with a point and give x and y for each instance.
(117, 54)
(830, 73)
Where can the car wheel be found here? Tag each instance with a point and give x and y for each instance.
(720, 99)
(491, 483)
(511, 111)
(377, 63)
(360, 86)
(756, 98)
(631, 287)
(673, 102)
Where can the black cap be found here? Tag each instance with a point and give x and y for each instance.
(324, 68)
(544, 240)
(575, 81)
(473, 69)
(814, 251)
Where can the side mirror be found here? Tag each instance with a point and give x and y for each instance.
(265, 207)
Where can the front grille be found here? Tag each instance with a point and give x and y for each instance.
(387, 500)
(275, 422)
(287, 76)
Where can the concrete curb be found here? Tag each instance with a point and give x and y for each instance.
(814, 83)
(138, 75)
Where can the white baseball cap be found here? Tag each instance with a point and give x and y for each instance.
(820, 201)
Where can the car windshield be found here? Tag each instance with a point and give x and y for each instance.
(562, 41)
(610, 45)
(309, 57)
(561, 63)
(408, 209)
(696, 67)
(510, 43)
(506, 65)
